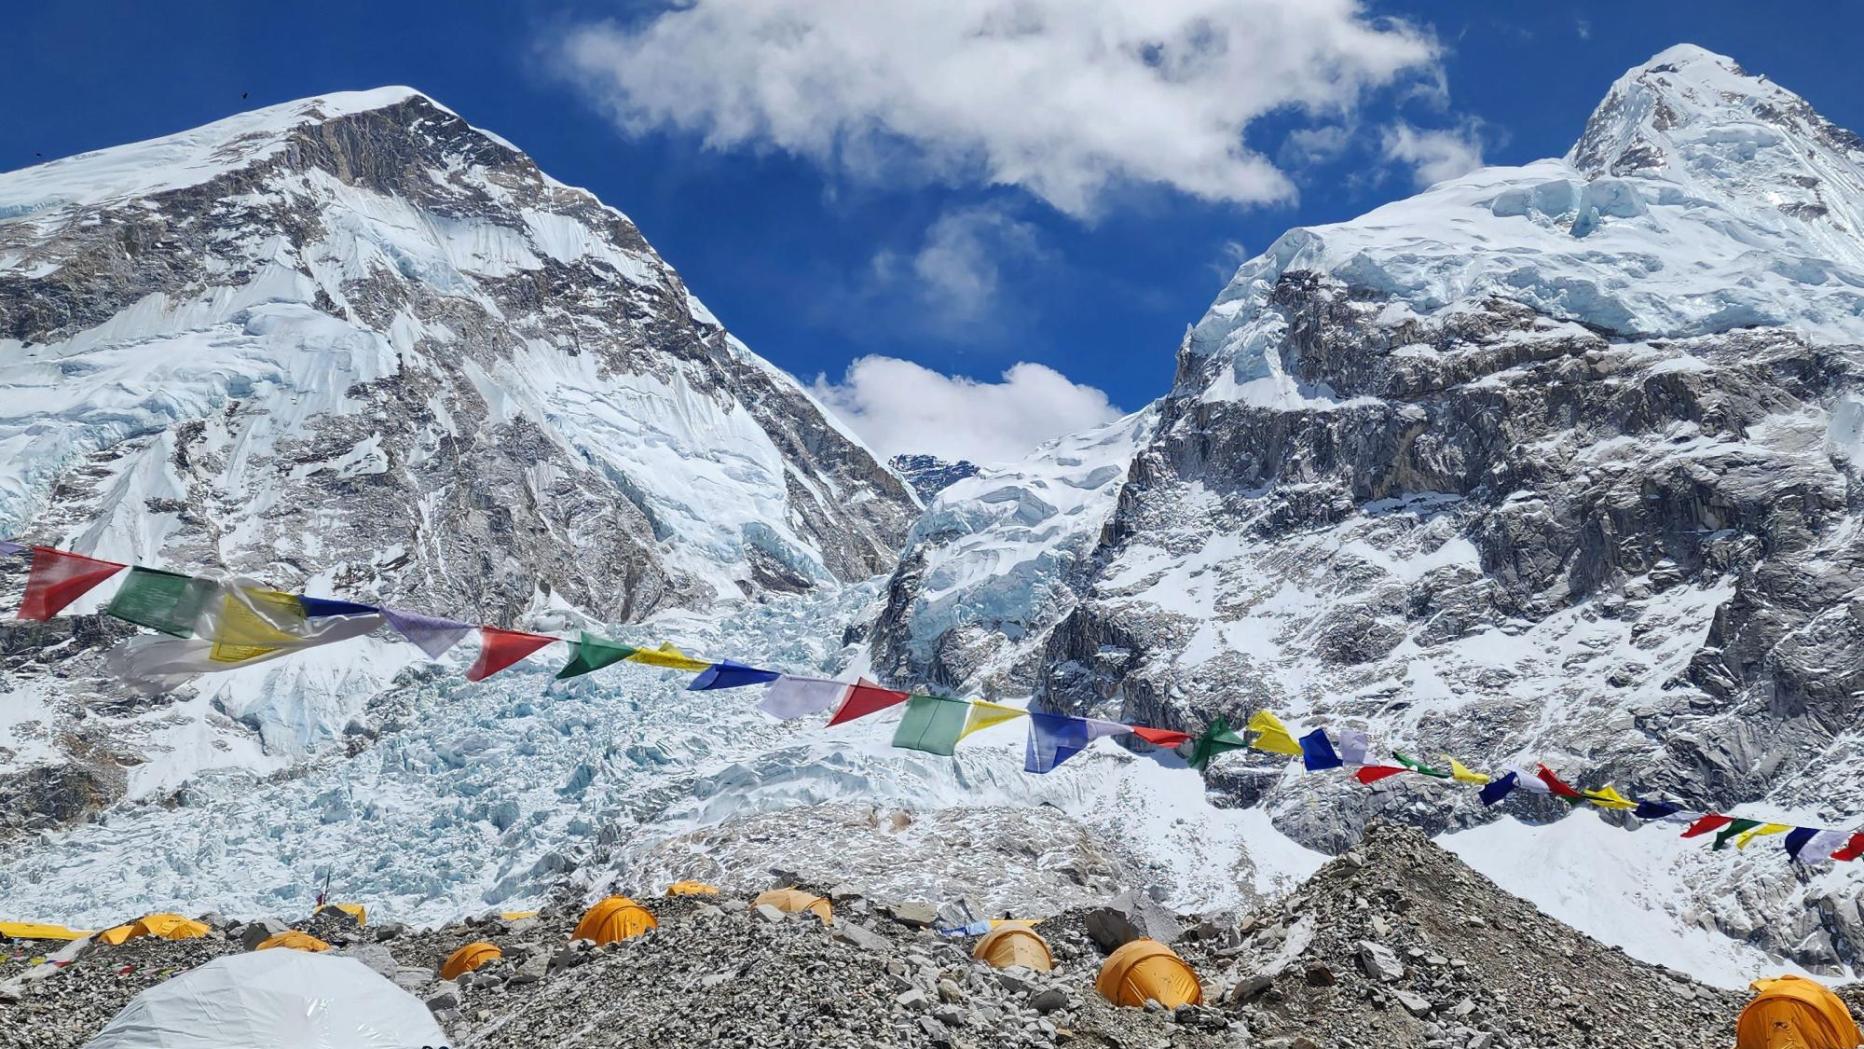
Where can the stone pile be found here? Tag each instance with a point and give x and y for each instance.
(1396, 943)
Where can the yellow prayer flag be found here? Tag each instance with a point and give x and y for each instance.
(1607, 797)
(1272, 735)
(984, 714)
(1760, 831)
(668, 656)
(1462, 772)
(253, 623)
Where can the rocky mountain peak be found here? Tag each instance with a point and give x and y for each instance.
(1694, 117)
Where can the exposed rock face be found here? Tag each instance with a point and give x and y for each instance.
(930, 475)
(1559, 462)
(354, 344)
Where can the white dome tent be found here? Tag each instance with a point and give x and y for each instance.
(273, 1000)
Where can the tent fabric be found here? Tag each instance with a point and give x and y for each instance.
(39, 931)
(865, 697)
(1794, 1013)
(276, 999)
(500, 648)
(796, 901)
(469, 958)
(727, 674)
(1147, 969)
(294, 940)
(932, 724)
(58, 578)
(354, 910)
(161, 926)
(591, 653)
(691, 888)
(614, 919)
(1014, 943)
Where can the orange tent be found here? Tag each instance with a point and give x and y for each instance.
(468, 958)
(1146, 969)
(1795, 1013)
(796, 901)
(293, 940)
(1014, 943)
(612, 919)
(691, 888)
(354, 910)
(162, 926)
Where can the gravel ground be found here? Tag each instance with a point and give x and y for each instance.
(1395, 944)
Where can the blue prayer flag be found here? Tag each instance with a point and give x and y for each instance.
(1054, 738)
(726, 674)
(1654, 810)
(1317, 751)
(1498, 789)
(1797, 838)
(323, 606)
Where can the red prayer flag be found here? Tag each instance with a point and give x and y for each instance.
(1714, 821)
(1370, 774)
(1163, 737)
(1553, 782)
(59, 578)
(1852, 850)
(499, 649)
(863, 698)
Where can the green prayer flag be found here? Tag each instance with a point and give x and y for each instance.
(932, 724)
(1216, 739)
(594, 653)
(1733, 829)
(164, 601)
(1417, 766)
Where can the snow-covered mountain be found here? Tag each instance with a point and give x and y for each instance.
(1560, 461)
(356, 345)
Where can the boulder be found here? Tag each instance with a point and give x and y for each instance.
(1131, 916)
(256, 932)
(1379, 962)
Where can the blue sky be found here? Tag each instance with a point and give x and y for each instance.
(895, 192)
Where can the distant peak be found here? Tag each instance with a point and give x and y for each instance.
(1661, 110)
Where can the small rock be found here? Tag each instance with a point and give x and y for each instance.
(915, 999)
(1415, 1004)
(1052, 998)
(1379, 962)
(768, 913)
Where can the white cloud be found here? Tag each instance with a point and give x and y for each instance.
(1433, 155)
(1063, 98)
(957, 271)
(898, 406)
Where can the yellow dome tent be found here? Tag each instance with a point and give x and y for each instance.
(468, 958)
(1795, 1013)
(796, 901)
(691, 888)
(161, 926)
(354, 910)
(1146, 969)
(612, 919)
(1014, 943)
(294, 940)
(38, 931)
(516, 916)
